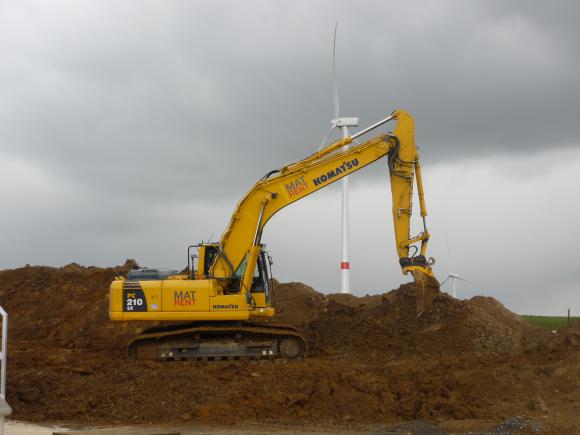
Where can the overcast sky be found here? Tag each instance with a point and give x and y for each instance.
(130, 130)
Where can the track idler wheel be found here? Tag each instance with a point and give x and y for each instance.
(292, 348)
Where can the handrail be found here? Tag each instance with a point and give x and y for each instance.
(3, 352)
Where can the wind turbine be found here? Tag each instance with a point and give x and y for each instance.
(452, 275)
(342, 124)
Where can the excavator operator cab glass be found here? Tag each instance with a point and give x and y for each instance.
(261, 282)
(262, 277)
(211, 252)
(268, 285)
(242, 270)
(192, 265)
(200, 258)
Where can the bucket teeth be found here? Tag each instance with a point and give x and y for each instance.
(426, 287)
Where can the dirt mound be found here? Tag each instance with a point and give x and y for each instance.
(388, 323)
(565, 339)
(297, 304)
(371, 360)
(66, 307)
(496, 328)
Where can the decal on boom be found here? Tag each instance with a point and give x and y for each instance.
(345, 167)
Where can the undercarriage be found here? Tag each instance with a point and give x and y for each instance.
(228, 340)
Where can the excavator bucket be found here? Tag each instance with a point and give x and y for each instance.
(427, 288)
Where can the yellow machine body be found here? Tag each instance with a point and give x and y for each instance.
(181, 299)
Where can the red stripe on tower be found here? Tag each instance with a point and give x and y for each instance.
(345, 265)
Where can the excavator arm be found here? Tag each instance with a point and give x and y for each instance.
(240, 242)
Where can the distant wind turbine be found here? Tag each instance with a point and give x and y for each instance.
(453, 276)
(342, 124)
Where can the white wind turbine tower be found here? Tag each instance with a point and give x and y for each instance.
(452, 275)
(342, 124)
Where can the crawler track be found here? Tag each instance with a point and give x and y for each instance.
(218, 342)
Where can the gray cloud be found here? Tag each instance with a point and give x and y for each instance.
(151, 99)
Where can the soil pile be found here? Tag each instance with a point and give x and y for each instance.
(64, 307)
(388, 323)
(371, 360)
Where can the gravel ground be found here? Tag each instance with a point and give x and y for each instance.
(19, 428)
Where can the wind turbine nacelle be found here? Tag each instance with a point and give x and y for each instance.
(345, 122)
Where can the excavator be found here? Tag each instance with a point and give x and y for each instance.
(222, 303)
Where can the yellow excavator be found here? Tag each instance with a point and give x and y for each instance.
(223, 301)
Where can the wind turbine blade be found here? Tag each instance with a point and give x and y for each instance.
(334, 84)
(448, 252)
(326, 138)
(462, 279)
(446, 279)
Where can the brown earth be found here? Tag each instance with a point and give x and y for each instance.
(463, 364)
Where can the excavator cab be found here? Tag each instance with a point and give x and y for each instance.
(262, 282)
(261, 290)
